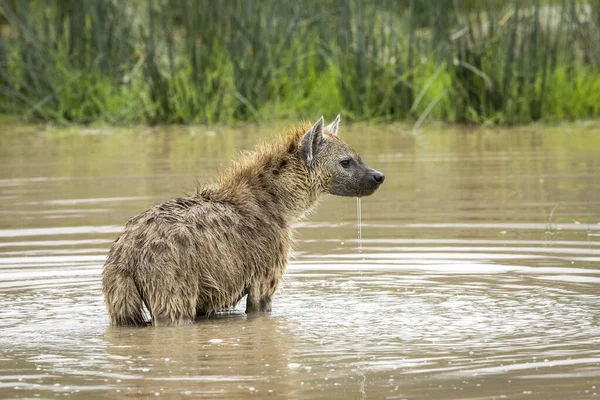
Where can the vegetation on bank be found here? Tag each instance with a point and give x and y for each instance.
(200, 61)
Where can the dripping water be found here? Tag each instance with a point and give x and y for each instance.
(359, 223)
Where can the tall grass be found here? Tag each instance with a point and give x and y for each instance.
(480, 61)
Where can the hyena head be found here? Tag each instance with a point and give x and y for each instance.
(337, 168)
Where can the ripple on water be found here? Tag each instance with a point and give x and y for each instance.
(463, 287)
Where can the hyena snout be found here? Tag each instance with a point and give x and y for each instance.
(371, 181)
(356, 180)
(377, 176)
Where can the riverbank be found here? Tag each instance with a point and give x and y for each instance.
(10, 124)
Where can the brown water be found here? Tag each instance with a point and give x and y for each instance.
(479, 275)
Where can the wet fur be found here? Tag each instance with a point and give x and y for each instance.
(196, 255)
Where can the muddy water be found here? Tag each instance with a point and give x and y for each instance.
(478, 276)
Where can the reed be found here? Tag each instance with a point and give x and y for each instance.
(200, 61)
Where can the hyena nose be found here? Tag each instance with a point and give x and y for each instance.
(379, 177)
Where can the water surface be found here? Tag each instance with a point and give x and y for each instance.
(478, 275)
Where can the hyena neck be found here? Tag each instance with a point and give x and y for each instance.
(279, 184)
(291, 187)
(271, 181)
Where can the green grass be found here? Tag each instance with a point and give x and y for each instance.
(197, 61)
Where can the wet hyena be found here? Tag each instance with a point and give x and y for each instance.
(197, 255)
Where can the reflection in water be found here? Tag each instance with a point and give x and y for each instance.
(477, 275)
(231, 355)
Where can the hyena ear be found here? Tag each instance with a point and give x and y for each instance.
(334, 126)
(311, 141)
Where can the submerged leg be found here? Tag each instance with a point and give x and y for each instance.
(265, 304)
(253, 300)
(258, 302)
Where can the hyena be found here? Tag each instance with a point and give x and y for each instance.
(196, 255)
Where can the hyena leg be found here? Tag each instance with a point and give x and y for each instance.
(253, 299)
(265, 303)
(260, 293)
(267, 297)
(258, 302)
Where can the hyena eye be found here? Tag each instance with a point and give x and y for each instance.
(345, 162)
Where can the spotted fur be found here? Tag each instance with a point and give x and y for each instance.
(196, 255)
